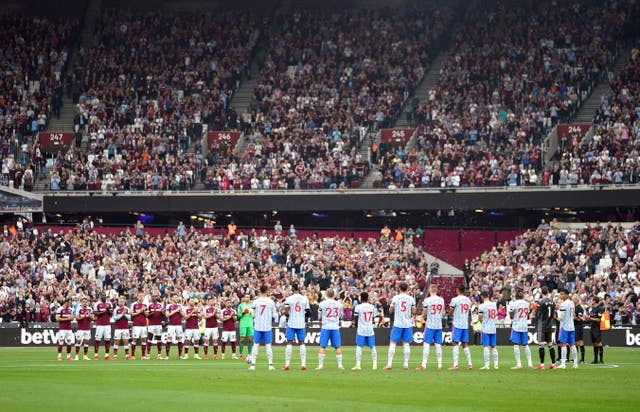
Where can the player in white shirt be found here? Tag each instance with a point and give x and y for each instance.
(364, 314)
(566, 313)
(432, 313)
(519, 311)
(296, 309)
(330, 313)
(403, 307)
(264, 314)
(488, 316)
(460, 307)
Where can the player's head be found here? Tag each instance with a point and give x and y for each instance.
(364, 297)
(484, 295)
(576, 299)
(84, 302)
(102, 297)
(544, 290)
(192, 302)
(245, 299)
(140, 297)
(121, 301)
(295, 288)
(519, 294)
(66, 303)
(403, 287)
(433, 289)
(330, 293)
(175, 299)
(155, 298)
(264, 289)
(564, 294)
(210, 301)
(595, 301)
(460, 289)
(227, 304)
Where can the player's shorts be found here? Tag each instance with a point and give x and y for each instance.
(489, 340)
(121, 334)
(401, 334)
(155, 330)
(246, 331)
(192, 335)
(83, 335)
(139, 332)
(211, 333)
(544, 335)
(369, 341)
(175, 332)
(261, 336)
(567, 337)
(330, 335)
(103, 332)
(579, 333)
(228, 336)
(519, 338)
(596, 335)
(66, 336)
(298, 334)
(460, 335)
(433, 336)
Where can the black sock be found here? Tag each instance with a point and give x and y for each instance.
(541, 353)
(595, 354)
(582, 353)
(552, 353)
(601, 353)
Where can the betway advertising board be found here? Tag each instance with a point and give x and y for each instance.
(48, 336)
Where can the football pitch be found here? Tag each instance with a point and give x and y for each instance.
(32, 379)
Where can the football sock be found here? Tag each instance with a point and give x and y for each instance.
(358, 355)
(574, 353)
(552, 354)
(392, 351)
(527, 353)
(143, 348)
(59, 349)
(186, 349)
(287, 355)
(486, 356)
(582, 353)
(196, 349)
(96, 347)
(68, 349)
(374, 356)
(133, 349)
(167, 348)
(233, 348)
(107, 346)
(407, 354)
(425, 354)
(250, 346)
(541, 354)
(269, 354)
(321, 360)
(224, 347)
(563, 354)
(495, 357)
(206, 349)
(339, 359)
(215, 348)
(180, 345)
(456, 353)
(439, 354)
(159, 348)
(77, 348)
(254, 354)
(115, 350)
(86, 349)
(241, 348)
(303, 355)
(601, 353)
(595, 354)
(126, 350)
(516, 354)
(467, 354)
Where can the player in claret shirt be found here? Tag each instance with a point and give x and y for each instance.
(122, 317)
(64, 316)
(173, 312)
(154, 328)
(139, 320)
(102, 312)
(210, 316)
(191, 315)
(83, 334)
(229, 329)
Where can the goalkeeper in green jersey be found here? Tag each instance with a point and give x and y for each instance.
(245, 315)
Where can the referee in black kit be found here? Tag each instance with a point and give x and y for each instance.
(595, 314)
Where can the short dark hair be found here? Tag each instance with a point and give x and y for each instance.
(460, 288)
(403, 286)
(596, 299)
(484, 294)
(364, 297)
(545, 290)
(264, 289)
(563, 290)
(295, 287)
(519, 294)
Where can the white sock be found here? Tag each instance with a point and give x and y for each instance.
(439, 354)
(495, 357)
(269, 354)
(254, 353)
(516, 353)
(303, 355)
(527, 353)
(425, 354)
(563, 355)
(574, 353)
(407, 354)
(287, 355)
(339, 359)
(456, 352)
(467, 353)
(392, 351)
(374, 355)
(321, 360)
(486, 356)
(358, 355)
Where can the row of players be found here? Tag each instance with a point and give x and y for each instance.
(262, 313)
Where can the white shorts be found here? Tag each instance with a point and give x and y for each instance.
(175, 332)
(192, 335)
(121, 334)
(139, 332)
(83, 335)
(228, 336)
(211, 333)
(66, 336)
(155, 330)
(103, 332)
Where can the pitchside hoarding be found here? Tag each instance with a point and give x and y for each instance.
(47, 336)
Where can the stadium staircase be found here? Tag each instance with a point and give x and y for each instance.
(587, 110)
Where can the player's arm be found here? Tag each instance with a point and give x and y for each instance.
(480, 317)
(425, 311)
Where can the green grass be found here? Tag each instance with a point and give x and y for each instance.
(32, 379)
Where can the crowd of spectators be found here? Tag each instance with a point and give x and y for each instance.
(513, 74)
(597, 260)
(611, 155)
(34, 54)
